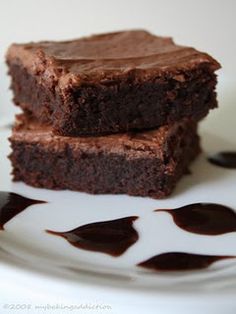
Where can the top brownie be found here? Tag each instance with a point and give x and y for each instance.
(111, 83)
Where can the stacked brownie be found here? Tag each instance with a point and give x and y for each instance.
(112, 113)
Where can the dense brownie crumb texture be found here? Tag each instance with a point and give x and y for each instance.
(146, 164)
(116, 82)
(111, 113)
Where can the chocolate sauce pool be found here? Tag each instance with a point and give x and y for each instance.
(12, 204)
(224, 159)
(204, 218)
(178, 261)
(112, 237)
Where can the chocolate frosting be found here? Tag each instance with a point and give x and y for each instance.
(143, 143)
(108, 56)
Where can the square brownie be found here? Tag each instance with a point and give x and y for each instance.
(110, 83)
(137, 163)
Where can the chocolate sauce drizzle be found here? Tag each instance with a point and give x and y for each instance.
(112, 237)
(11, 204)
(224, 159)
(178, 261)
(204, 218)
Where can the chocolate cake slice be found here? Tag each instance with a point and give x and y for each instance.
(145, 164)
(110, 83)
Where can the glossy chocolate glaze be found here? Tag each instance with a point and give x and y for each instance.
(224, 159)
(204, 218)
(112, 237)
(179, 261)
(11, 204)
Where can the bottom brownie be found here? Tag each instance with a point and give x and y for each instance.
(145, 164)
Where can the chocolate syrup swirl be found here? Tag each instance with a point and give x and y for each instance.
(204, 218)
(178, 261)
(12, 204)
(112, 237)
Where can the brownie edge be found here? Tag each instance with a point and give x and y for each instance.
(143, 164)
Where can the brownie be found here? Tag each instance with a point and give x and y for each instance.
(136, 163)
(110, 83)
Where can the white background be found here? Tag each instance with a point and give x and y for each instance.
(209, 25)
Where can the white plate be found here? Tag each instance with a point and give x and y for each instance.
(34, 253)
